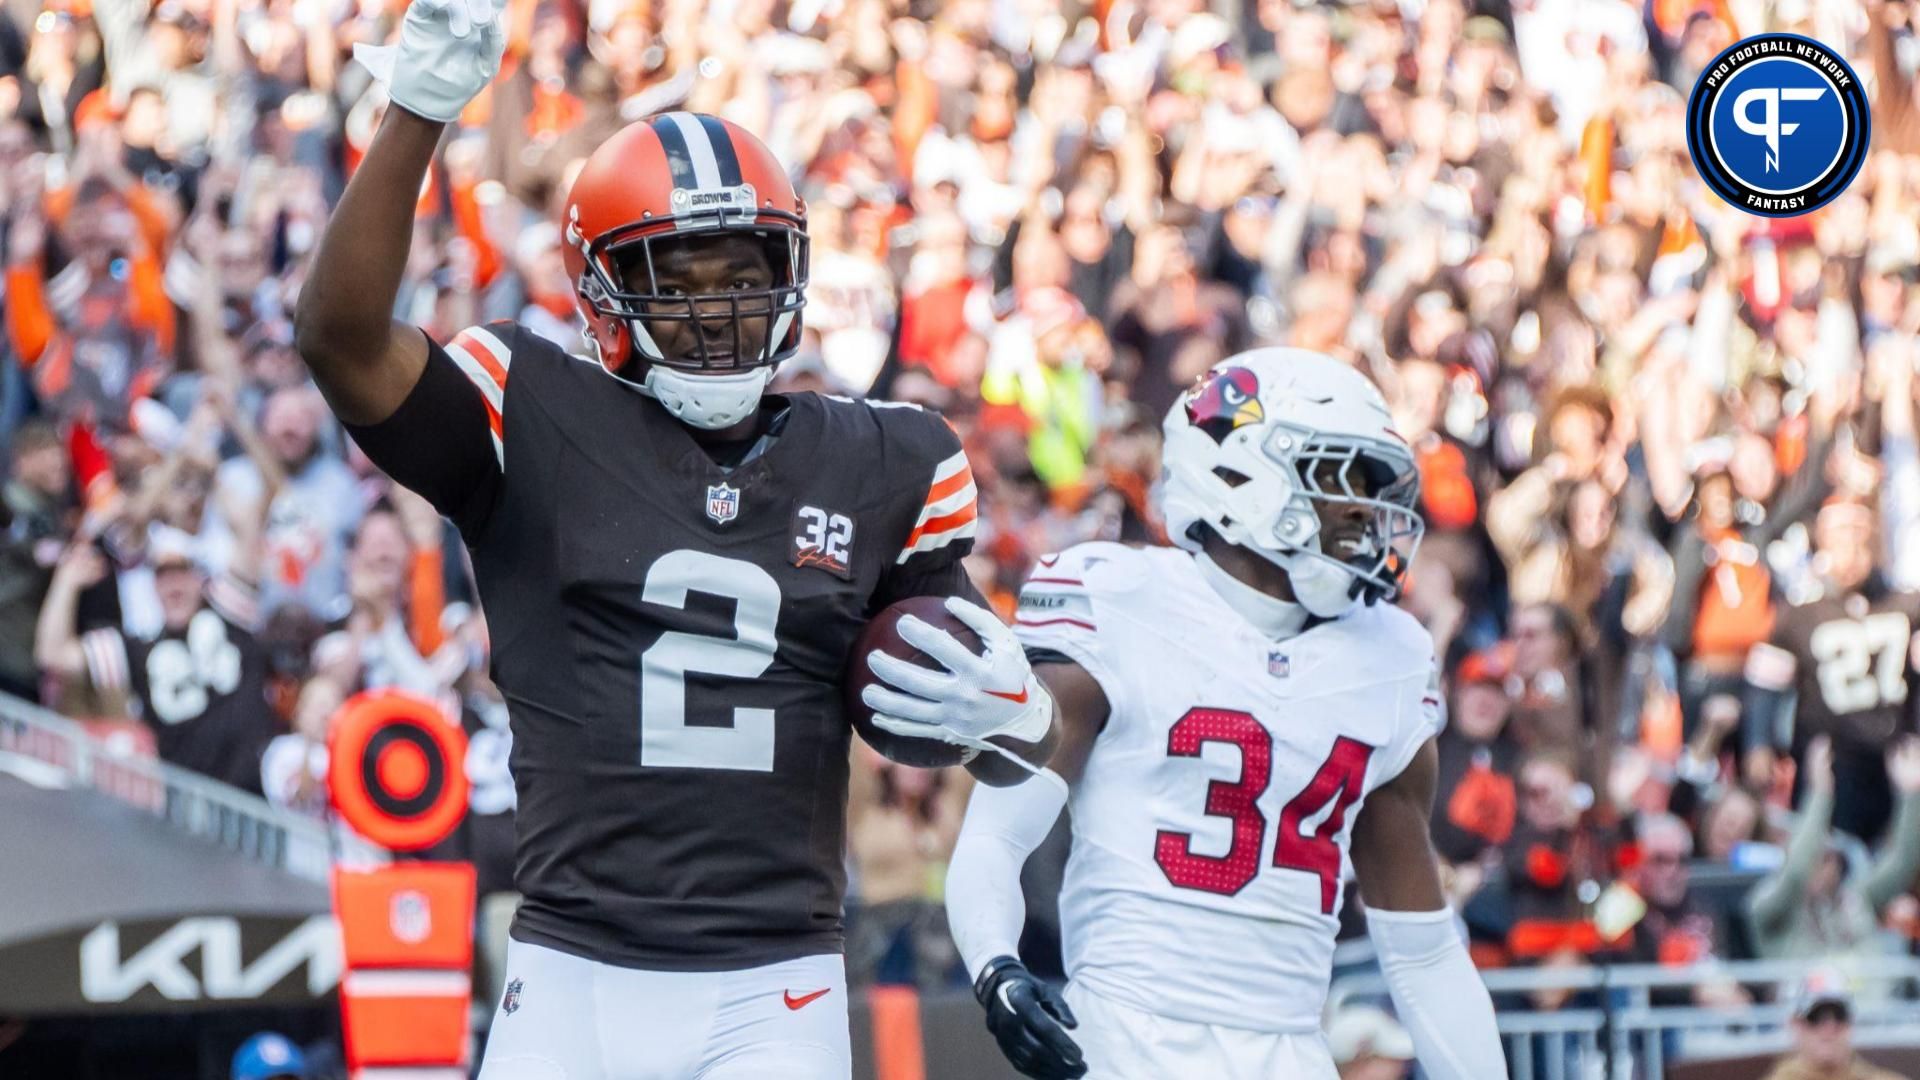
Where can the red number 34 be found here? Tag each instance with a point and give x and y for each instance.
(1338, 781)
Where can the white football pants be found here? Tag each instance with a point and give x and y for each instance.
(563, 1017)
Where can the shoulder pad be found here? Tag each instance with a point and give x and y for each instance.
(1064, 598)
(1059, 593)
(485, 355)
(907, 432)
(893, 418)
(1395, 641)
(925, 465)
(492, 346)
(1098, 566)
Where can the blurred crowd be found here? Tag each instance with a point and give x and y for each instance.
(1668, 449)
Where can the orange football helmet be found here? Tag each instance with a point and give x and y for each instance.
(671, 177)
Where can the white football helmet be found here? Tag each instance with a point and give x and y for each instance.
(1245, 455)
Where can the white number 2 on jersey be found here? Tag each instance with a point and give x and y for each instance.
(666, 739)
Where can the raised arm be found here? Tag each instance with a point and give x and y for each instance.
(1892, 361)
(1516, 515)
(365, 362)
(1435, 988)
(220, 367)
(1893, 93)
(1776, 898)
(29, 318)
(56, 644)
(1801, 494)
(1897, 864)
(249, 523)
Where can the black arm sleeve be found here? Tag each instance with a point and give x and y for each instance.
(1800, 497)
(438, 444)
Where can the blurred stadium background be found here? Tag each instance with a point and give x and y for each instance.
(1648, 425)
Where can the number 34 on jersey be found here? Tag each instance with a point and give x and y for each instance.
(1231, 767)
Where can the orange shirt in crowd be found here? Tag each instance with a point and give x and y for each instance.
(46, 347)
(1736, 608)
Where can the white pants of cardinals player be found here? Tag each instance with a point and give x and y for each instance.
(1123, 1043)
(563, 1017)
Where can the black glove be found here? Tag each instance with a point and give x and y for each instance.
(1029, 1021)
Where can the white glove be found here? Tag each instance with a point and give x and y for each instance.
(449, 51)
(976, 699)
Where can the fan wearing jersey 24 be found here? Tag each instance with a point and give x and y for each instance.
(1240, 717)
(674, 567)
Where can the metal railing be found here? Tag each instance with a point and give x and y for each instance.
(244, 824)
(1612, 1029)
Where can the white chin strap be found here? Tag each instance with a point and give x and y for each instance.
(707, 401)
(1321, 585)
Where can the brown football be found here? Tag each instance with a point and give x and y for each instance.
(883, 633)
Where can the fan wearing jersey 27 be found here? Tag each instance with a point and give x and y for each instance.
(674, 566)
(1856, 633)
(1240, 716)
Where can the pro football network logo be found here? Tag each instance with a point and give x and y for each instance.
(723, 503)
(1778, 125)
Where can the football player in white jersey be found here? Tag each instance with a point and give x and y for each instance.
(1241, 715)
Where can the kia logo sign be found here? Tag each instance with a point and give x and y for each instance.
(201, 959)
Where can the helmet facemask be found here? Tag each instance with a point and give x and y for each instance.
(706, 355)
(1343, 472)
(713, 333)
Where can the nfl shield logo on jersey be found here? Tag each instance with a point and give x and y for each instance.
(723, 503)
(1277, 664)
(511, 1002)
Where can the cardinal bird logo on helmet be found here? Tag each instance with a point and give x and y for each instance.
(1226, 400)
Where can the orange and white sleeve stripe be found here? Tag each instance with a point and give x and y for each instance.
(483, 358)
(951, 512)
